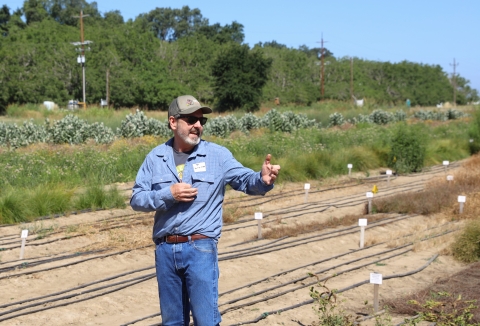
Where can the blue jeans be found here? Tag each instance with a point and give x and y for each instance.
(187, 276)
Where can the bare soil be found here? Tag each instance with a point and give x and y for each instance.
(268, 284)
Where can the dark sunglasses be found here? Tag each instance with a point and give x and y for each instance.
(191, 120)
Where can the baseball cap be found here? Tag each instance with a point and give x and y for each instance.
(186, 104)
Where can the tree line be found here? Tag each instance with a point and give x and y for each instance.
(167, 52)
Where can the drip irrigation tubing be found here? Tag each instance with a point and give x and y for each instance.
(31, 262)
(125, 284)
(351, 200)
(257, 293)
(70, 264)
(311, 301)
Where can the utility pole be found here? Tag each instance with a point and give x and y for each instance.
(322, 68)
(454, 82)
(351, 77)
(81, 58)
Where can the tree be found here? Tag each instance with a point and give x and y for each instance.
(239, 76)
(4, 18)
(225, 34)
(170, 24)
(35, 11)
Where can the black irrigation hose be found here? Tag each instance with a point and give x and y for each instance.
(141, 319)
(130, 281)
(326, 204)
(311, 301)
(30, 263)
(314, 263)
(31, 243)
(70, 264)
(304, 241)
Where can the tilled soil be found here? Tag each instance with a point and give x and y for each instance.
(98, 268)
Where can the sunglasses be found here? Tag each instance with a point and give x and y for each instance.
(191, 120)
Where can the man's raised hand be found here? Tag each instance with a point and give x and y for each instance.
(269, 171)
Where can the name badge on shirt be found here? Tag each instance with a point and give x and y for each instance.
(199, 167)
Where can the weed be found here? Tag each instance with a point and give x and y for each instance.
(326, 307)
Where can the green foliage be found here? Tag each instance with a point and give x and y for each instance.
(450, 313)
(138, 125)
(336, 119)
(326, 307)
(239, 76)
(408, 149)
(474, 133)
(96, 197)
(466, 247)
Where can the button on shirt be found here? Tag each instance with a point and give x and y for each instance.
(209, 168)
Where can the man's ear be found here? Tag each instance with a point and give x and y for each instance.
(173, 123)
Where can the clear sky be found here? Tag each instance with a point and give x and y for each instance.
(434, 32)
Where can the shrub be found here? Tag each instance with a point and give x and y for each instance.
(466, 247)
(336, 119)
(473, 133)
(408, 147)
(381, 117)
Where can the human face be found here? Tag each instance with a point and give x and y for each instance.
(188, 135)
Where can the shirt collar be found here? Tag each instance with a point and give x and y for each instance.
(165, 151)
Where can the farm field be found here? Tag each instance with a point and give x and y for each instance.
(98, 268)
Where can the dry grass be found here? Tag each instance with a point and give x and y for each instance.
(465, 283)
(439, 195)
(279, 230)
(232, 213)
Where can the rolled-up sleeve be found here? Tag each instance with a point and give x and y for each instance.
(243, 179)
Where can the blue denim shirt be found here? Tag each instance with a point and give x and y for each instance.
(209, 168)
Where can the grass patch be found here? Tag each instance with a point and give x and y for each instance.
(278, 230)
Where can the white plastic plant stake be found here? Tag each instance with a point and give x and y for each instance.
(259, 217)
(307, 188)
(389, 173)
(369, 197)
(461, 201)
(349, 166)
(376, 280)
(362, 222)
(449, 179)
(24, 236)
(445, 165)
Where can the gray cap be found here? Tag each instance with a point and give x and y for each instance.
(186, 104)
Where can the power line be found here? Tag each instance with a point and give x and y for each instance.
(322, 67)
(454, 82)
(81, 58)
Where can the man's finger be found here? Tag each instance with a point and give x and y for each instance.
(268, 158)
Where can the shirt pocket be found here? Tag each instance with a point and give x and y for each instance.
(162, 181)
(204, 183)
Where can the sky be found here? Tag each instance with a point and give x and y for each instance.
(433, 32)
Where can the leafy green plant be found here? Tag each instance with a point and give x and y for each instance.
(474, 133)
(326, 307)
(408, 149)
(456, 312)
(466, 247)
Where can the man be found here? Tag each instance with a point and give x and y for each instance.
(184, 181)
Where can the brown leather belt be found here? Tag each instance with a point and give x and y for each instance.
(182, 238)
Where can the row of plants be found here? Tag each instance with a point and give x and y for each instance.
(73, 130)
(305, 154)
